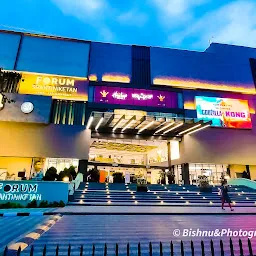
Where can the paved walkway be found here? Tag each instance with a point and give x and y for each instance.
(153, 210)
(121, 229)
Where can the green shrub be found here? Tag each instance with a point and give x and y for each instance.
(51, 174)
(43, 204)
(32, 204)
(118, 177)
(10, 205)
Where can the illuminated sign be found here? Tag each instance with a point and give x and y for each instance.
(136, 97)
(1, 101)
(223, 112)
(19, 192)
(59, 87)
(27, 107)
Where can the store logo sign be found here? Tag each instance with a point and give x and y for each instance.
(27, 107)
(19, 192)
(119, 95)
(142, 96)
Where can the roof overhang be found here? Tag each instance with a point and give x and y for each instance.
(144, 125)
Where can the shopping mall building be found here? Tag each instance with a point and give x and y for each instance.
(133, 109)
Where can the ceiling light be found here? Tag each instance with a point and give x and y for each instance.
(187, 130)
(165, 127)
(199, 129)
(89, 122)
(146, 126)
(176, 126)
(99, 123)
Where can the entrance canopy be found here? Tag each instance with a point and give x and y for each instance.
(141, 123)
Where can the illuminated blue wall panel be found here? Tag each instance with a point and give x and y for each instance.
(9, 44)
(52, 56)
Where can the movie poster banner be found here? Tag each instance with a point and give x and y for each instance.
(223, 112)
(59, 87)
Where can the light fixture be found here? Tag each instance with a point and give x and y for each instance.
(109, 202)
(66, 179)
(187, 202)
(247, 198)
(198, 193)
(181, 197)
(177, 193)
(204, 197)
(165, 127)
(135, 202)
(234, 203)
(162, 202)
(82, 196)
(118, 123)
(129, 123)
(81, 201)
(89, 122)
(176, 126)
(108, 196)
(133, 197)
(99, 123)
(211, 202)
(146, 126)
(187, 190)
(131, 192)
(189, 129)
(239, 194)
(107, 192)
(158, 197)
(199, 129)
(235, 188)
(154, 193)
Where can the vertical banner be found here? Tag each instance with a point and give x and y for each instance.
(59, 87)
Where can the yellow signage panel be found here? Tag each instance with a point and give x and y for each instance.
(59, 87)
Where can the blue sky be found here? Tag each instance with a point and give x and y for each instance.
(182, 24)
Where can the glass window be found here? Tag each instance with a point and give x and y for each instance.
(9, 44)
(52, 56)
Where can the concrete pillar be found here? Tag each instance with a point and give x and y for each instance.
(248, 171)
(169, 156)
(185, 173)
(82, 168)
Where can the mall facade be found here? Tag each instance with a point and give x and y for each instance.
(142, 111)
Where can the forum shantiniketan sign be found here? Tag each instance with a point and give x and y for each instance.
(59, 87)
(223, 112)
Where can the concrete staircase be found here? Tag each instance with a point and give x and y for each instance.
(158, 195)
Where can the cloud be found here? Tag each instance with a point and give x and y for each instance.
(133, 17)
(92, 12)
(83, 9)
(233, 23)
(107, 34)
(174, 12)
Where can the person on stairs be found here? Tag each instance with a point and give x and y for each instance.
(224, 196)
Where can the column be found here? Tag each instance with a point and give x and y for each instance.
(82, 168)
(248, 172)
(185, 173)
(169, 157)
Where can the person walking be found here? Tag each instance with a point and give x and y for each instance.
(225, 197)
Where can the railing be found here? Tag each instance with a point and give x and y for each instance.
(203, 250)
(242, 182)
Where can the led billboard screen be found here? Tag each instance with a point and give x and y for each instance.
(223, 112)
